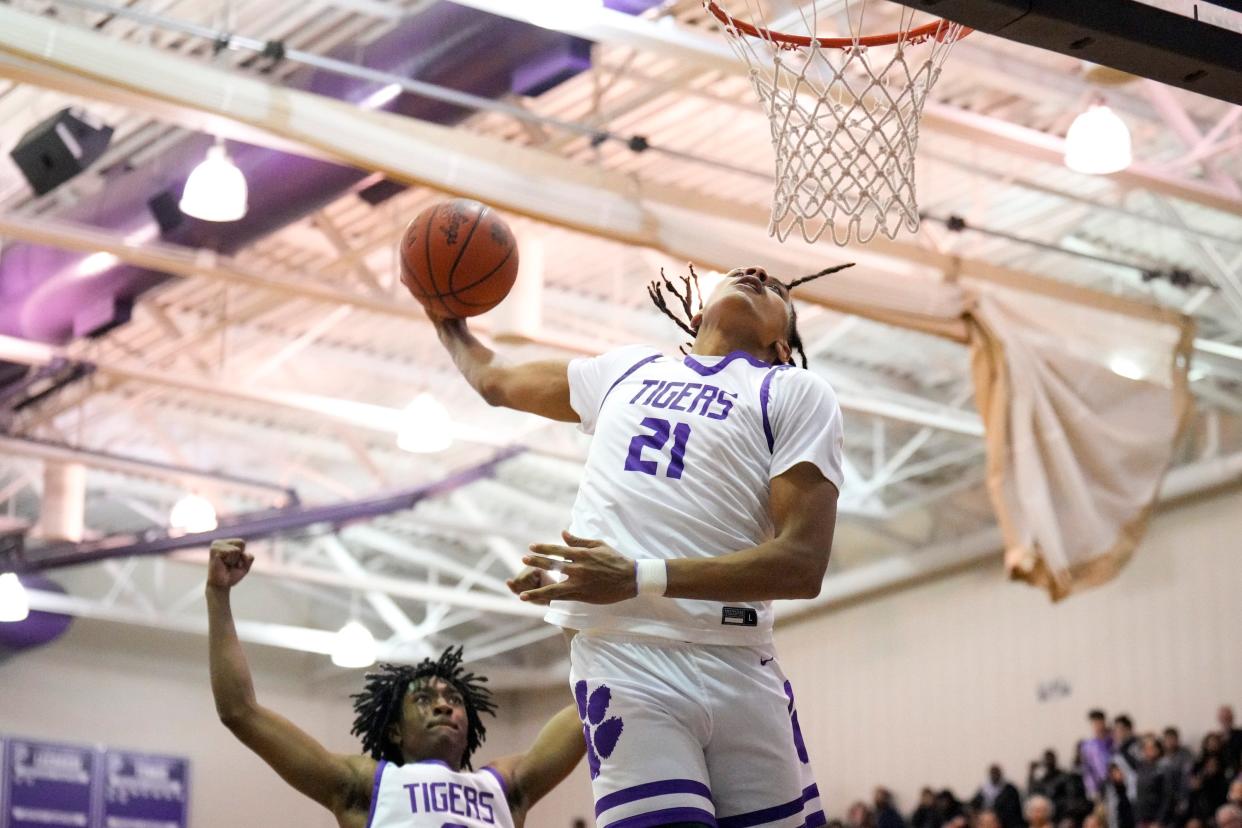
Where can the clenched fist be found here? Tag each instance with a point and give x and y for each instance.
(228, 564)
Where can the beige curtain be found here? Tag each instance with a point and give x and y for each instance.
(1076, 451)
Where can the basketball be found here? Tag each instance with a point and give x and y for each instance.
(458, 258)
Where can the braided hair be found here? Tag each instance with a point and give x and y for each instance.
(380, 703)
(690, 293)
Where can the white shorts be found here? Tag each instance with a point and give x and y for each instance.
(680, 732)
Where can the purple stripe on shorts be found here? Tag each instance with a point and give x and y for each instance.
(499, 779)
(810, 793)
(706, 370)
(664, 817)
(621, 378)
(765, 390)
(763, 817)
(650, 789)
(815, 820)
(379, 774)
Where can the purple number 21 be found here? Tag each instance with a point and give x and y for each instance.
(656, 441)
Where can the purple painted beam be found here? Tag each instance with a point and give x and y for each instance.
(254, 525)
(40, 627)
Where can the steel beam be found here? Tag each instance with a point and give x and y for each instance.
(257, 524)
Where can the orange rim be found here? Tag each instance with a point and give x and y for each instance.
(938, 29)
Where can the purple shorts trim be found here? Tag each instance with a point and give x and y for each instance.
(655, 818)
(815, 820)
(379, 774)
(650, 789)
(776, 812)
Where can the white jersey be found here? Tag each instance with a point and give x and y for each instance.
(430, 794)
(680, 467)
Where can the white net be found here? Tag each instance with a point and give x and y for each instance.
(844, 114)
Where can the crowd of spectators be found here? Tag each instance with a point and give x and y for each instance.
(1119, 778)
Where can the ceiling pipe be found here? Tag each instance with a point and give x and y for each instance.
(123, 464)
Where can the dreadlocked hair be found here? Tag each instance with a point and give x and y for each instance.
(380, 703)
(690, 298)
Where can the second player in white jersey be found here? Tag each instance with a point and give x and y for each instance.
(665, 429)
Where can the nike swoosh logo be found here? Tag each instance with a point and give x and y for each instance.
(763, 662)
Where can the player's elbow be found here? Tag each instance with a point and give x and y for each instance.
(236, 717)
(493, 388)
(807, 576)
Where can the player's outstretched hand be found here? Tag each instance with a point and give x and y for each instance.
(595, 573)
(228, 564)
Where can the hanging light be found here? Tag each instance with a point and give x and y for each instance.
(216, 189)
(425, 427)
(192, 513)
(1124, 366)
(354, 646)
(1098, 142)
(14, 605)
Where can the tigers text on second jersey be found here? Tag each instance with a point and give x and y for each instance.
(430, 794)
(680, 466)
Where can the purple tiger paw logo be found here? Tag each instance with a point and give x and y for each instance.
(601, 734)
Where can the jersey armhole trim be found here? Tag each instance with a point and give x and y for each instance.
(765, 392)
(623, 377)
(375, 790)
(500, 780)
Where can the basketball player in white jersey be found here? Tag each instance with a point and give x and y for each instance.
(420, 725)
(710, 489)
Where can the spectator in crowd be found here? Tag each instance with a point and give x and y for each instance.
(1000, 795)
(1152, 800)
(1231, 738)
(1096, 752)
(987, 819)
(1208, 784)
(1229, 816)
(1063, 788)
(948, 808)
(1095, 819)
(1039, 811)
(1125, 743)
(859, 816)
(886, 816)
(925, 815)
(1234, 797)
(1178, 764)
(1119, 795)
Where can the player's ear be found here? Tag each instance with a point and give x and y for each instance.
(696, 320)
(784, 354)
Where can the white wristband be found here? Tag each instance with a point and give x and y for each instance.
(652, 576)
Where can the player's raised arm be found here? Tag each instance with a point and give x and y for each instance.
(557, 749)
(535, 387)
(341, 784)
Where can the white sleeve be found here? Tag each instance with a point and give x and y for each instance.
(591, 378)
(806, 424)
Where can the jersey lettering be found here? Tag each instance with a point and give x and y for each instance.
(690, 397)
(451, 798)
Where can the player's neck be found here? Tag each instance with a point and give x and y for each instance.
(715, 342)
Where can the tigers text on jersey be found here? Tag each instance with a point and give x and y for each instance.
(430, 794)
(680, 467)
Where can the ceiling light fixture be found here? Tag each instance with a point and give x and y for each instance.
(216, 189)
(1098, 142)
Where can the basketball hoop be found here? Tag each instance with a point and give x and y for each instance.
(845, 125)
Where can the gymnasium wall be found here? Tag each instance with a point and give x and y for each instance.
(921, 686)
(929, 685)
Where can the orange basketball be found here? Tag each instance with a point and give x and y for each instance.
(458, 258)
